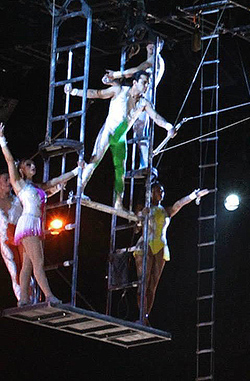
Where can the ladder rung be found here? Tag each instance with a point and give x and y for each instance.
(208, 139)
(71, 47)
(209, 12)
(141, 173)
(65, 81)
(66, 116)
(209, 37)
(74, 14)
(206, 244)
(136, 140)
(205, 297)
(205, 324)
(205, 218)
(122, 287)
(210, 270)
(204, 378)
(208, 165)
(124, 227)
(205, 88)
(203, 351)
(211, 62)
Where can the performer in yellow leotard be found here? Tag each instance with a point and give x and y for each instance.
(158, 251)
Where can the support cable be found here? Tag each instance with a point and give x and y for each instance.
(196, 73)
(205, 135)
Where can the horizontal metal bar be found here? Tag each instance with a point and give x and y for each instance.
(211, 62)
(205, 324)
(208, 165)
(208, 139)
(75, 14)
(215, 4)
(210, 377)
(209, 12)
(209, 37)
(70, 47)
(203, 351)
(124, 227)
(66, 116)
(205, 218)
(124, 286)
(206, 88)
(205, 297)
(139, 139)
(65, 81)
(210, 270)
(206, 244)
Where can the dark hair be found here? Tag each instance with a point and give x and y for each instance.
(156, 184)
(137, 75)
(4, 171)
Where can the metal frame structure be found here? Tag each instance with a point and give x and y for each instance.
(131, 175)
(54, 147)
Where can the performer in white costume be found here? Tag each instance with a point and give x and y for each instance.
(126, 105)
(29, 229)
(141, 125)
(10, 211)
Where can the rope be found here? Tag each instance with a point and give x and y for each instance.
(203, 136)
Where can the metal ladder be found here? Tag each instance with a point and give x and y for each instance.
(70, 121)
(131, 176)
(209, 102)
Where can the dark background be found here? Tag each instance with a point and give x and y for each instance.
(33, 353)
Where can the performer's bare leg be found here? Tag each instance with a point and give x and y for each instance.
(156, 271)
(25, 275)
(34, 251)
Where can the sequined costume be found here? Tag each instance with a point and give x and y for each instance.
(158, 224)
(113, 135)
(141, 126)
(30, 222)
(10, 253)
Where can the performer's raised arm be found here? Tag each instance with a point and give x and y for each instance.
(92, 93)
(196, 194)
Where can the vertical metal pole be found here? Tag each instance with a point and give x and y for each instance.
(81, 156)
(148, 198)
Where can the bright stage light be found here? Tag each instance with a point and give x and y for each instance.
(232, 202)
(55, 226)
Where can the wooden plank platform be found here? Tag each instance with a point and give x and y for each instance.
(109, 209)
(87, 324)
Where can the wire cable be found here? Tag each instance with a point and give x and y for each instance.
(204, 136)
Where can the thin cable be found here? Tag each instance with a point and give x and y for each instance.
(203, 136)
(243, 69)
(196, 74)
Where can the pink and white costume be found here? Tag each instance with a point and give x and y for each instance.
(30, 223)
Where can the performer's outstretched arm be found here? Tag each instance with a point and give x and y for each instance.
(174, 209)
(92, 93)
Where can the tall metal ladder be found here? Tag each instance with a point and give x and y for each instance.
(209, 102)
(70, 122)
(116, 228)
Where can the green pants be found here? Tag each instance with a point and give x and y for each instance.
(118, 146)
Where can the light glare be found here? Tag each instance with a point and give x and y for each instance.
(232, 202)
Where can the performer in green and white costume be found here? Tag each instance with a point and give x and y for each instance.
(126, 105)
